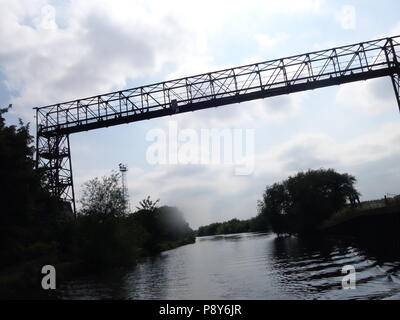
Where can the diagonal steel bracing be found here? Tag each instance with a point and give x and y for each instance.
(361, 61)
(54, 158)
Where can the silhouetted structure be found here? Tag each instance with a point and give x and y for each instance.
(123, 168)
(361, 61)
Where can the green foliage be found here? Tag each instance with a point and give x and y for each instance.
(147, 204)
(107, 241)
(104, 196)
(301, 203)
(109, 237)
(256, 224)
(20, 185)
(259, 224)
(208, 230)
(164, 224)
(28, 214)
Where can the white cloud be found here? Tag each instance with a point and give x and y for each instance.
(372, 96)
(98, 49)
(314, 150)
(347, 17)
(47, 18)
(396, 30)
(266, 42)
(278, 109)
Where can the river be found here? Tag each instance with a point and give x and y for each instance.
(252, 266)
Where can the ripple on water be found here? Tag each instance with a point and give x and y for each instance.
(251, 266)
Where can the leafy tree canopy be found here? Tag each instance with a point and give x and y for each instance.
(21, 195)
(300, 203)
(148, 204)
(104, 196)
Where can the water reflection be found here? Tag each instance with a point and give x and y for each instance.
(254, 266)
(311, 267)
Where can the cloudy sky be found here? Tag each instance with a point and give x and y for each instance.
(53, 51)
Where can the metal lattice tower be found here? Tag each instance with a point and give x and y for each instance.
(123, 169)
(345, 64)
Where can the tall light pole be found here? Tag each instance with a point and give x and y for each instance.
(123, 168)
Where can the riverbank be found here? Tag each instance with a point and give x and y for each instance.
(23, 281)
(379, 218)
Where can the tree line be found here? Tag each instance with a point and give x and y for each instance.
(36, 229)
(256, 224)
(297, 205)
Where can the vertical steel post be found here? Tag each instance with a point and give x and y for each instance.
(395, 76)
(72, 178)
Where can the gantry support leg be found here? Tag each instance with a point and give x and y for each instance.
(396, 85)
(54, 159)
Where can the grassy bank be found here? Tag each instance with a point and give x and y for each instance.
(364, 209)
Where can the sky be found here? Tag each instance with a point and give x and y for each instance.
(54, 51)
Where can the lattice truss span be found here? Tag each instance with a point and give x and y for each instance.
(361, 61)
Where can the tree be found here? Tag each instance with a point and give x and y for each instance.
(172, 224)
(161, 226)
(147, 204)
(22, 198)
(300, 203)
(104, 196)
(28, 214)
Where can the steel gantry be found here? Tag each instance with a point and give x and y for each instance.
(361, 61)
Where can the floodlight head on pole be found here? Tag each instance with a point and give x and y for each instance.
(123, 167)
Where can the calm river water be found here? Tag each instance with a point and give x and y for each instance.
(252, 266)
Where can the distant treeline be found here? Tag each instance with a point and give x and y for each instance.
(256, 224)
(37, 229)
(297, 205)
